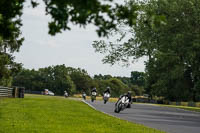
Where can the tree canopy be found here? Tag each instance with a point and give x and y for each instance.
(167, 33)
(104, 14)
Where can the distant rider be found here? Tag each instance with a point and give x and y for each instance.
(93, 94)
(94, 90)
(65, 94)
(84, 95)
(107, 90)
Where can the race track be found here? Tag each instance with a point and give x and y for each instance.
(170, 120)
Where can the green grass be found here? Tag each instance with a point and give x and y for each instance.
(47, 114)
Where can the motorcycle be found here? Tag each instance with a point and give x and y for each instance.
(66, 95)
(93, 96)
(84, 96)
(121, 104)
(106, 97)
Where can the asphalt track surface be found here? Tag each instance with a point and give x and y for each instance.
(170, 120)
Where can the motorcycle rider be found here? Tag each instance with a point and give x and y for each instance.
(65, 94)
(106, 94)
(94, 90)
(93, 96)
(128, 94)
(84, 95)
(107, 90)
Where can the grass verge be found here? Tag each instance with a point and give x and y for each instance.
(47, 114)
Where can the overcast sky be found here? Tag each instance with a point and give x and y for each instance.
(72, 48)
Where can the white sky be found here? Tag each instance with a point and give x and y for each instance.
(72, 48)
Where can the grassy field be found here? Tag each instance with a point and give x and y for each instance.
(48, 114)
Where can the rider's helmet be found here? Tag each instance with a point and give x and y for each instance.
(94, 89)
(129, 93)
(108, 88)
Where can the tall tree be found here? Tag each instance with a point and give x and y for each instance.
(10, 38)
(81, 79)
(166, 33)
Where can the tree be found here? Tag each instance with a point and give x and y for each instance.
(81, 79)
(167, 34)
(102, 77)
(137, 78)
(54, 78)
(10, 40)
(116, 85)
(103, 14)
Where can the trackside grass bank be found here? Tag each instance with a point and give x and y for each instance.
(48, 114)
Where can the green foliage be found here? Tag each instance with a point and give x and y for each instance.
(81, 79)
(60, 78)
(137, 78)
(102, 77)
(166, 33)
(54, 78)
(116, 85)
(79, 12)
(10, 41)
(103, 14)
(173, 61)
(120, 85)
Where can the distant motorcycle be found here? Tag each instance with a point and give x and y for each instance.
(84, 96)
(66, 95)
(121, 104)
(93, 96)
(106, 97)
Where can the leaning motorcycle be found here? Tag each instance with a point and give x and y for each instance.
(121, 104)
(93, 96)
(106, 97)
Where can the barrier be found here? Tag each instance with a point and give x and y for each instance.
(16, 92)
(6, 92)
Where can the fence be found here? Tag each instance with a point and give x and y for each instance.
(6, 92)
(12, 92)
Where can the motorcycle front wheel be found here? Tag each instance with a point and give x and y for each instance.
(118, 107)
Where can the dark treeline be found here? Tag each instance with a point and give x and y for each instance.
(59, 78)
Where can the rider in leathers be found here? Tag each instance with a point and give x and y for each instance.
(128, 94)
(107, 90)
